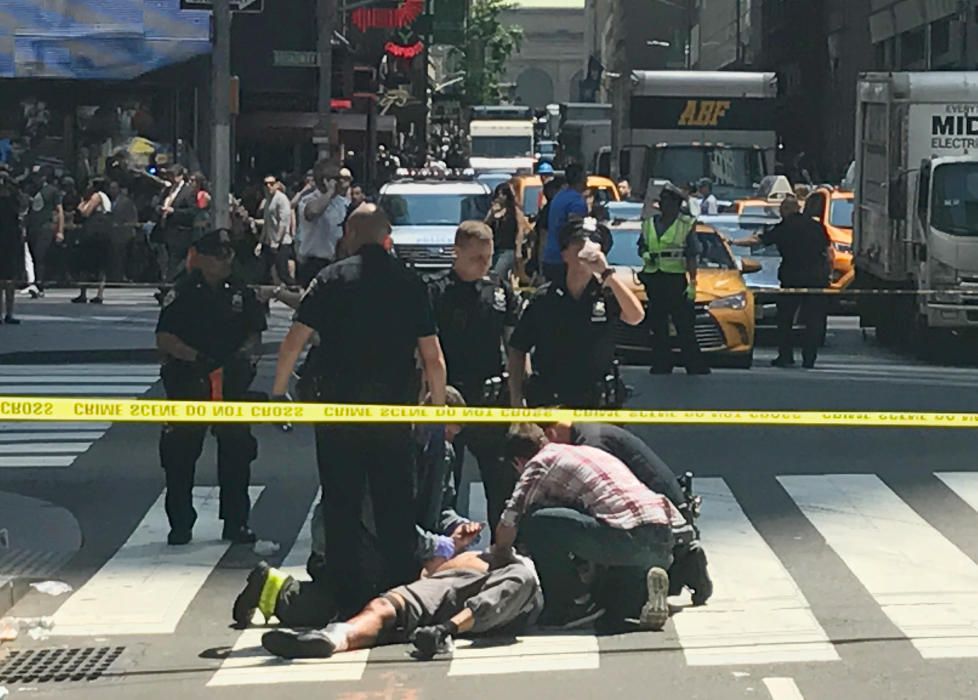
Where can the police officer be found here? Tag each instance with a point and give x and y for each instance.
(670, 249)
(208, 329)
(476, 315)
(371, 313)
(806, 261)
(569, 327)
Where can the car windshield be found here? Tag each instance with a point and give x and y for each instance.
(840, 213)
(734, 171)
(434, 209)
(713, 256)
(954, 204)
(531, 199)
(502, 146)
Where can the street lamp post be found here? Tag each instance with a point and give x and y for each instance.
(221, 115)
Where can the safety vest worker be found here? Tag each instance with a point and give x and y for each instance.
(670, 250)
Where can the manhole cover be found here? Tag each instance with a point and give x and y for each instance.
(57, 665)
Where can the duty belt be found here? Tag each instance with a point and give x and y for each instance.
(669, 254)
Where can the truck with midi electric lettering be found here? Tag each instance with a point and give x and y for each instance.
(681, 126)
(915, 227)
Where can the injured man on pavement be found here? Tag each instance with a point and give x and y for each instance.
(470, 594)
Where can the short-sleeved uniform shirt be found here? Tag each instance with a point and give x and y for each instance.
(472, 318)
(215, 322)
(369, 310)
(572, 341)
(803, 244)
(43, 204)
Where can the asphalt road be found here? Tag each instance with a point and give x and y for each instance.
(844, 559)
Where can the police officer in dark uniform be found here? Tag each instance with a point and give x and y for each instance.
(476, 314)
(209, 327)
(569, 328)
(372, 314)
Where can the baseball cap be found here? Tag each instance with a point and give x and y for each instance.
(545, 168)
(214, 242)
(345, 174)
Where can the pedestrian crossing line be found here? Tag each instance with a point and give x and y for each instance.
(757, 614)
(147, 585)
(30, 462)
(50, 448)
(964, 484)
(924, 583)
(114, 390)
(249, 664)
(26, 437)
(137, 382)
(530, 654)
(52, 429)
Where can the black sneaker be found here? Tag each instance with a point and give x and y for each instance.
(239, 535)
(11, 321)
(290, 644)
(697, 577)
(96, 300)
(782, 362)
(179, 537)
(247, 601)
(431, 641)
(80, 299)
(655, 612)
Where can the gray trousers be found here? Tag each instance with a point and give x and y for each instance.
(503, 599)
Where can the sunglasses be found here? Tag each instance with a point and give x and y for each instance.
(269, 183)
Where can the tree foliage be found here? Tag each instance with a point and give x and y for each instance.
(488, 46)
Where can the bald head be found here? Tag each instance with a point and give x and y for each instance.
(367, 224)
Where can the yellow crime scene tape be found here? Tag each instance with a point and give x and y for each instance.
(14, 408)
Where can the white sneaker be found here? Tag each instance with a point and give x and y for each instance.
(31, 290)
(655, 612)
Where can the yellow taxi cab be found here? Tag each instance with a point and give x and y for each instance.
(833, 208)
(758, 207)
(724, 305)
(529, 191)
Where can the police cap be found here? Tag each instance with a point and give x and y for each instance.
(584, 229)
(671, 190)
(216, 242)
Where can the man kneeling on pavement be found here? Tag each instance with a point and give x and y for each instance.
(582, 502)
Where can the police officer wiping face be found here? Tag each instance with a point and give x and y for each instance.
(473, 251)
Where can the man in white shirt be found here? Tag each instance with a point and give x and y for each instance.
(321, 214)
(276, 236)
(708, 202)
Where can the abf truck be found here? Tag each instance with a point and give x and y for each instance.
(916, 219)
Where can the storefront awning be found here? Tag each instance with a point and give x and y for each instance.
(97, 39)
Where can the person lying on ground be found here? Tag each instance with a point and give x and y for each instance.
(579, 502)
(471, 594)
(441, 534)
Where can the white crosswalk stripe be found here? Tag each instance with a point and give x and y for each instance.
(759, 614)
(57, 445)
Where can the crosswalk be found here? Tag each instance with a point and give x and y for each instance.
(41, 444)
(761, 613)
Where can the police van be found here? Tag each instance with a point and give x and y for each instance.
(425, 209)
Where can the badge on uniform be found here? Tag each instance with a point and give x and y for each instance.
(237, 303)
(499, 299)
(599, 313)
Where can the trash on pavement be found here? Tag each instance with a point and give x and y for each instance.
(263, 548)
(54, 588)
(3, 692)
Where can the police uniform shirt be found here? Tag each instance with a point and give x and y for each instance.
(369, 310)
(472, 318)
(214, 322)
(572, 340)
(803, 244)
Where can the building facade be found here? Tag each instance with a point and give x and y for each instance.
(549, 65)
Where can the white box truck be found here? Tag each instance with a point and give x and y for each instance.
(916, 218)
(501, 139)
(683, 125)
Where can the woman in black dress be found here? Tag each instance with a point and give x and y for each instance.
(11, 247)
(94, 248)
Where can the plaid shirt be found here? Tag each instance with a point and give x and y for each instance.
(575, 476)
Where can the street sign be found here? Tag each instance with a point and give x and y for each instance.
(295, 59)
(252, 6)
